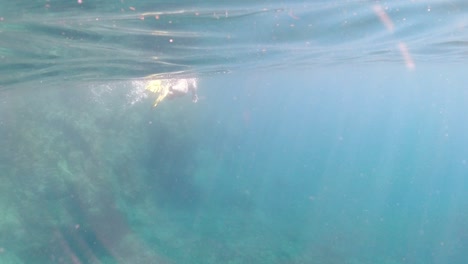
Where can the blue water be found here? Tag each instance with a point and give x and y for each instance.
(325, 132)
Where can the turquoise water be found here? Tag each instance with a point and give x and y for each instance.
(325, 132)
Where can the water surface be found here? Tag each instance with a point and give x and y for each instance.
(326, 132)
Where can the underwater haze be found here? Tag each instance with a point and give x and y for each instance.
(325, 132)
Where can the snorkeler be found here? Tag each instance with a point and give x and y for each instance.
(172, 88)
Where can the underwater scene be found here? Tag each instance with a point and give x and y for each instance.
(282, 132)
